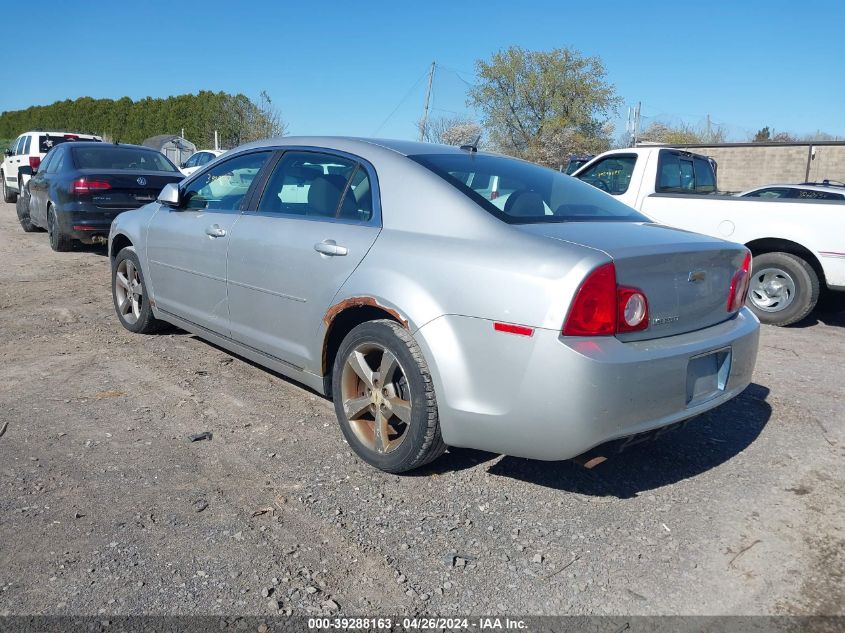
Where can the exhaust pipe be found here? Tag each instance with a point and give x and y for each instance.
(100, 239)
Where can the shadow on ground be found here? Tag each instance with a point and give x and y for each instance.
(706, 442)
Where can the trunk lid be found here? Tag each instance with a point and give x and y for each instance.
(127, 189)
(685, 276)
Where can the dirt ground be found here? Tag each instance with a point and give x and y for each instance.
(106, 507)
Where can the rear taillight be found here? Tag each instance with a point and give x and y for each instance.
(84, 185)
(34, 162)
(632, 309)
(601, 308)
(738, 290)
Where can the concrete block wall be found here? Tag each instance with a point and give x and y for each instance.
(747, 165)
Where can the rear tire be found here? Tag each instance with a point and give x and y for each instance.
(409, 436)
(129, 294)
(22, 207)
(59, 242)
(784, 288)
(8, 195)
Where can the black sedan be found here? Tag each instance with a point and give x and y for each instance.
(80, 187)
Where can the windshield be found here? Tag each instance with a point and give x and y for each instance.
(518, 192)
(116, 157)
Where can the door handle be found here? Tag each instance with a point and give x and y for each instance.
(215, 231)
(331, 248)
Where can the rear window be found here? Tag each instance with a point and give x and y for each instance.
(684, 173)
(529, 193)
(115, 157)
(46, 141)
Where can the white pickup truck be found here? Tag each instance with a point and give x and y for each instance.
(798, 247)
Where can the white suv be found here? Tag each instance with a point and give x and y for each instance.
(25, 155)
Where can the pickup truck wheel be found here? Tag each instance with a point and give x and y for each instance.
(784, 288)
(8, 195)
(22, 208)
(59, 242)
(130, 294)
(384, 398)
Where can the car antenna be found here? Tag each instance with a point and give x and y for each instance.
(472, 147)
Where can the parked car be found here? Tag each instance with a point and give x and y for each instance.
(81, 187)
(428, 314)
(199, 159)
(826, 190)
(26, 154)
(798, 244)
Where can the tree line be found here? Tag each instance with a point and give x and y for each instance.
(237, 118)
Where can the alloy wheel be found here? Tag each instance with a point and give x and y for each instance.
(376, 397)
(128, 290)
(772, 289)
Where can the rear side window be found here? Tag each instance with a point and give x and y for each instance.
(612, 174)
(318, 185)
(683, 173)
(27, 144)
(19, 146)
(815, 194)
(57, 159)
(109, 156)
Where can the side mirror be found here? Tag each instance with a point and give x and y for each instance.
(170, 195)
(8, 152)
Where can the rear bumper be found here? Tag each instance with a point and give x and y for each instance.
(88, 224)
(552, 397)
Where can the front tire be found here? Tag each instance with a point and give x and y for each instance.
(8, 195)
(784, 288)
(129, 294)
(22, 208)
(384, 398)
(59, 241)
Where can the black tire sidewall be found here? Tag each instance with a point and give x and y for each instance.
(405, 456)
(806, 288)
(22, 209)
(146, 319)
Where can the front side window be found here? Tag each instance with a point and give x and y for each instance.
(527, 193)
(108, 156)
(769, 193)
(225, 185)
(205, 158)
(612, 174)
(318, 185)
(192, 161)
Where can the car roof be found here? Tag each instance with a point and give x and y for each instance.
(100, 144)
(351, 143)
(798, 185)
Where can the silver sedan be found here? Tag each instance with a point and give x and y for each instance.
(442, 296)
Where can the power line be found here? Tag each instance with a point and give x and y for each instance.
(401, 103)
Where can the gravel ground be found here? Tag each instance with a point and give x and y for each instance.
(106, 507)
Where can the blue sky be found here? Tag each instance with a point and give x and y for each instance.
(345, 67)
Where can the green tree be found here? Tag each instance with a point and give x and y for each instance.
(236, 117)
(544, 105)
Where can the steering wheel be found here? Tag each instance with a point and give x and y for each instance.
(600, 183)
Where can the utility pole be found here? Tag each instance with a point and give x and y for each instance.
(636, 134)
(424, 120)
(216, 146)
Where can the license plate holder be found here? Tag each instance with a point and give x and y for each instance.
(707, 375)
